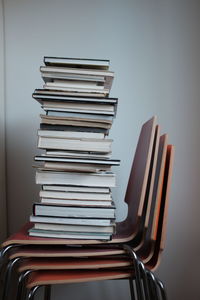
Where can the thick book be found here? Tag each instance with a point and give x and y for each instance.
(55, 85)
(73, 128)
(69, 235)
(75, 228)
(89, 196)
(72, 167)
(70, 134)
(89, 145)
(77, 189)
(107, 179)
(40, 209)
(77, 62)
(95, 108)
(64, 120)
(71, 121)
(71, 221)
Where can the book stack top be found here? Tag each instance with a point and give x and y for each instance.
(75, 169)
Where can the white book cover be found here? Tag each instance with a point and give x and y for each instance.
(98, 145)
(80, 179)
(76, 195)
(70, 202)
(70, 134)
(75, 228)
(71, 221)
(77, 189)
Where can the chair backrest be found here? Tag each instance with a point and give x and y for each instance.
(146, 250)
(138, 179)
(138, 240)
(162, 223)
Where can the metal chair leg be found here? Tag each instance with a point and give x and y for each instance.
(162, 289)
(137, 272)
(153, 285)
(6, 249)
(132, 290)
(3, 253)
(8, 274)
(145, 281)
(20, 286)
(47, 292)
(32, 292)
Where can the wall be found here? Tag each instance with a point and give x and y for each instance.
(154, 50)
(3, 212)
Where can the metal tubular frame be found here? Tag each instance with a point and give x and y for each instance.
(8, 274)
(142, 275)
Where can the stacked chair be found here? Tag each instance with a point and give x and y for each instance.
(134, 251)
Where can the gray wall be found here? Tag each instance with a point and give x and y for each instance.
(154, 49)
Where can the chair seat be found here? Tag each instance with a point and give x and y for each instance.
(62, 251)
(70, 263)
(62, 277)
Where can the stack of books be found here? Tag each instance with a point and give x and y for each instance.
(75, 169)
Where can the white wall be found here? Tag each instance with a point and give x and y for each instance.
(154, 50)
(3, 211)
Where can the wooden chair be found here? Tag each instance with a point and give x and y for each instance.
(135, 198)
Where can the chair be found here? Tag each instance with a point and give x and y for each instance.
(135, 197)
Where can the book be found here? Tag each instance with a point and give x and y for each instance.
(43, 95)
(71, 121)
(79, 189)
(69, 202)
(71, 221)
(73, 77)
(80, 115)
(79, 107)
(110, 162)
(93, 145)
(69, 235)
(51, 92)
(41, 209)
(72, 167)
(106, 179)
(55, 85)
(78, 154)
(80, 71)
(75, 228)
(77, 62)
(70, 134)
(76, 84)
(73, 128)
(76, 195)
